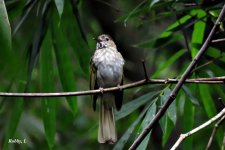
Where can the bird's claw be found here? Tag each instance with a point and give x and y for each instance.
(119, 87)
(101, 90)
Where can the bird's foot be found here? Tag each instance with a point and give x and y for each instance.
(101, 90)
(119, 87)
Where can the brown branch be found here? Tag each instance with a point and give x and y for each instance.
(215, 80)
(214, 131)
(173, 94)
(183, 136)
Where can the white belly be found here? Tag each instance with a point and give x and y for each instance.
(109, 68)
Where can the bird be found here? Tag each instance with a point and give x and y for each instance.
(106, 70)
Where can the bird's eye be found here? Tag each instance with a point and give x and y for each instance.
(107, 39)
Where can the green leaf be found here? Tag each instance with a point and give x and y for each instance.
(193, 99)
(168, 126)
(28, 7)
(207, 100)
(47, 85)
(169, 62)
(198, 31)
(169, 119)
(209, 107)
(59, 5)
(179, 22)
(216, 53)
(134, 104)
(76, 41)
(6, 52)
(17, 110)
(64, 63)
(123, 140)
(172, 112)
(133, 12)
(5, 29)
(148, 117)
(153, 2)
(49, 119)
(187, 120)
(214, 13)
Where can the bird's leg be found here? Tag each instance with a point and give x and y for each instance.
(119, 87)
(101, 90)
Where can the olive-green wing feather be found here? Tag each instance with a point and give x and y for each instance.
(93, 84)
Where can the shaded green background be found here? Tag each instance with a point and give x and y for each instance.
(46, 46)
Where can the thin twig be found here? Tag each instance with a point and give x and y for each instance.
(214, 131)
(203, 65)
(173, 94)
(183, 136)
(145, 70)
(218, 40)
(215, 80)
(223, 145)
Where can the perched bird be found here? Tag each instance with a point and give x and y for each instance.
(107, 71)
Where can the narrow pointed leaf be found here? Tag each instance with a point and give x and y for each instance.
(134, 104)
(210, 107)
(72, 32)
(123, 140)
(5, 41)
(47, 85)
(26, 11)
(169, 119)
(199, 30)
(5, 29)
(59, 5)
(148, 117)
(169, 62)
(13, 121)
(64, 62)
(37, 42)
(188, 120)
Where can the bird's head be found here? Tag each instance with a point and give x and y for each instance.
(104, 41)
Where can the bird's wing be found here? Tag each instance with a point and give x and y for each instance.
(93, 83)
(119, 97)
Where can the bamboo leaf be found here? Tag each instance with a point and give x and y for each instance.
(76, 41)
(199, 30)
(188, 119)
(134, 104)
(64, 63)
(169, 62)
(5, 29)
(47, 85)
(193, 99)
(148, 117)
(207, 100)
(209, 107)
(13, 122)
(59, 5)
(6, 52)
(37, 42)
(123, 140)
(169, 119)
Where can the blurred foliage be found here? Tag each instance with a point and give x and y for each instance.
(46, 46)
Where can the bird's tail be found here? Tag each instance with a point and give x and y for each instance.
(107, 128)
